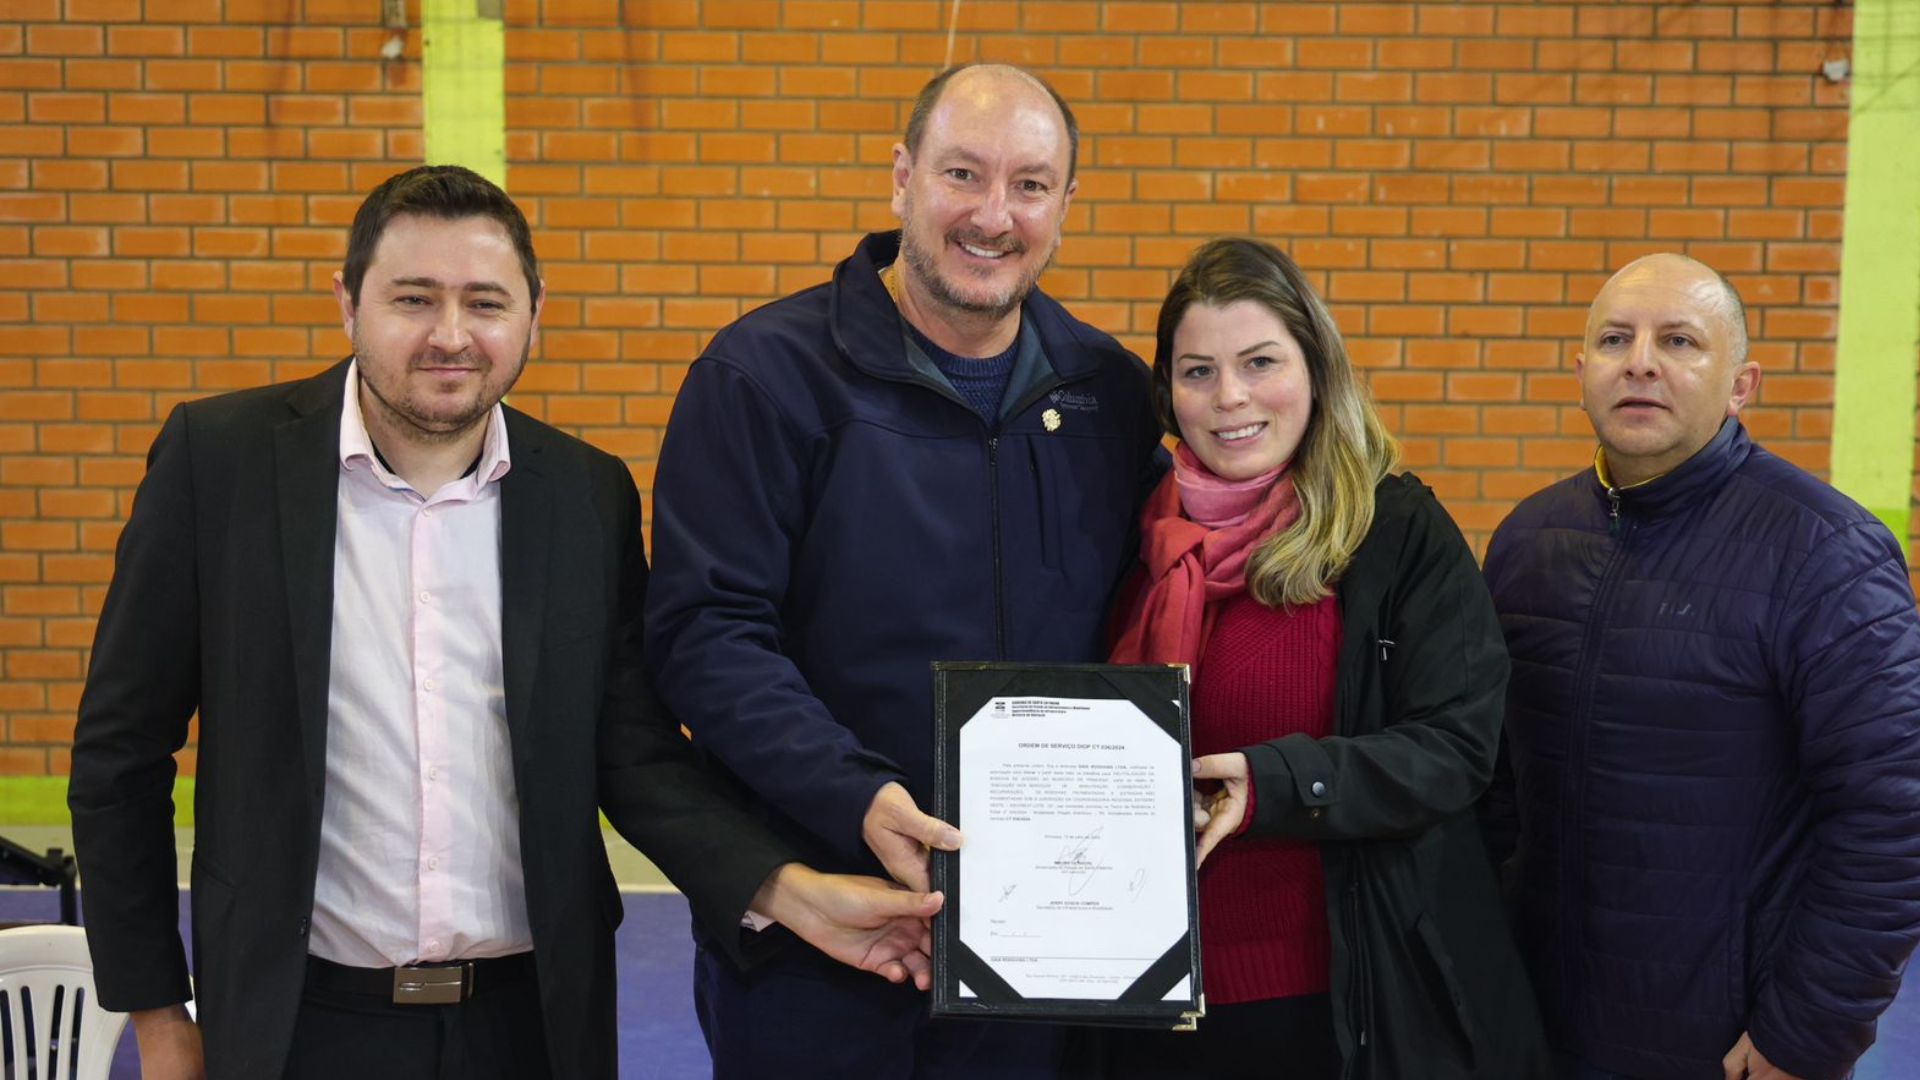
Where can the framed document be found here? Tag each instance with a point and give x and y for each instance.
(1073, 899)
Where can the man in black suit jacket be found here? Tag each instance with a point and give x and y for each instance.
(224, 601)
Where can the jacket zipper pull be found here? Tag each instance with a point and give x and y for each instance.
(1613, 512)
(1386, 644)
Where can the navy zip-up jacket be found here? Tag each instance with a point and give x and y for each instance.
(1714, 728)
(830, 518)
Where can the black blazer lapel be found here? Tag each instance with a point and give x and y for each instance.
(526, 527)
(307, 480)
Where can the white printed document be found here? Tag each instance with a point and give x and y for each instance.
(1073, 897)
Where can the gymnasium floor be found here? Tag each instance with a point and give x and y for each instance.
(659, 1039)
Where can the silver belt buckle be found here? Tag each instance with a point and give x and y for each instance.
(444, 985)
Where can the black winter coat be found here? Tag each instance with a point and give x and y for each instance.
(1426, 982)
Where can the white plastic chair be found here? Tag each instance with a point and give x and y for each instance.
(51, 1024)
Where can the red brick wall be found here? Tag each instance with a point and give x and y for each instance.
(176, 177)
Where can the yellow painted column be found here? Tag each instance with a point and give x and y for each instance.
(463, 77)
(1873, 418)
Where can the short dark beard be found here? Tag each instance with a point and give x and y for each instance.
(927, 272)
(429, 435)
(419, 433)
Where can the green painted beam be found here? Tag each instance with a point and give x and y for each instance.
(1873, 407)
(463, 85)
(42, 800)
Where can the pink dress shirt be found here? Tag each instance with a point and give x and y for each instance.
(420, 829)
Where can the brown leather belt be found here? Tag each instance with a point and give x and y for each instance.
(421, 984)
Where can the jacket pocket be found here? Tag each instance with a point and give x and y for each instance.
(202, 872)
(1752, 937)
(1738, 930)
(1443, 985)
(1047, 495)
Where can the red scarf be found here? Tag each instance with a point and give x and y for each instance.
(1186, 566)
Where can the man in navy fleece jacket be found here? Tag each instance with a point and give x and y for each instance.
(924, 459)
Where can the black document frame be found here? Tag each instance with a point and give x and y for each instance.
(961, 690)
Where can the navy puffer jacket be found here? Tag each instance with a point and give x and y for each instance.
(1714, 730)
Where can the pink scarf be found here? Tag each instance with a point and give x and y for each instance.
(1196, 533)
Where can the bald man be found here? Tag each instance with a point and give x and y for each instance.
(1713, 722)
(924, 459)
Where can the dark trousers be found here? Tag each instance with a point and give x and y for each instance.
(497, 1034)
(801, 1017)
(1280, 1039)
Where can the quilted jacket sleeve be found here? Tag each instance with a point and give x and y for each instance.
(1848, 653)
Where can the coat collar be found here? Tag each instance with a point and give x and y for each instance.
(1692, 481)
(526, 533)
(307, 478)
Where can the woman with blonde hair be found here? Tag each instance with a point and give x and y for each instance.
(1348, 679)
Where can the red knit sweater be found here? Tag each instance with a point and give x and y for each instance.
(1266, 672)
